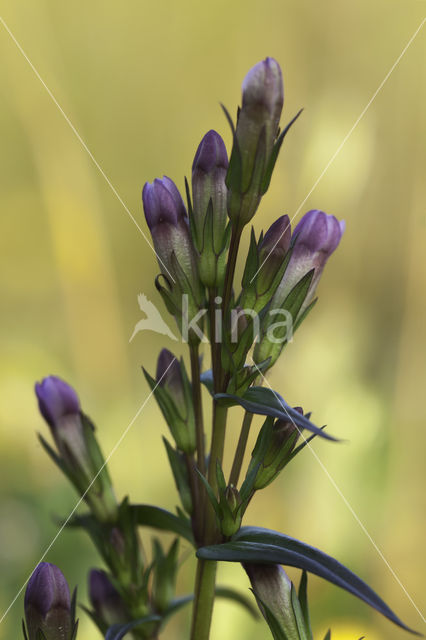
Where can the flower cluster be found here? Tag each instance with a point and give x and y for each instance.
(198, 244)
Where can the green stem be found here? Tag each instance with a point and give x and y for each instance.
(204, 600)
(241, 448)
(198, 407)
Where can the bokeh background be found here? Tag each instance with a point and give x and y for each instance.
(141, 81)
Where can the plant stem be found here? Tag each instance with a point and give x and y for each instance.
(198, 407)
(241, 448)
(216, 455)
(204, 599)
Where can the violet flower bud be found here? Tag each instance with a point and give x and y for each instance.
(209, 201)
(48, 604)
(173, 392)
(316, 237)
(60, 407)
(273, 589)
(256, 132)
(79, 454)
(107, 603)
(167, 220)
(272, 251)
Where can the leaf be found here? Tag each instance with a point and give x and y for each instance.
(206, 378)
(257, 545)
(227, 593)
(328, 635)
(149, 516)
(118, 631)
(232, 594)
(303, 599)
(266, 402)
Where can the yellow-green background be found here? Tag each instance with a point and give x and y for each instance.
(141, 81)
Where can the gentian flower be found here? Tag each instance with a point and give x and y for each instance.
(209, 196)
(107, 603)
(79, 454)
(48, 604)
(255, 135)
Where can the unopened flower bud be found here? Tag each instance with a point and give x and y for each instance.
(107, 603)
(273, 449)
(315, 238)
(76, 444)
(167, 220)
(256, 131)
(209, 195)
(273, 589)
(173, 393)
(48, 604)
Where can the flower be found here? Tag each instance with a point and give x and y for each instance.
(167, 220)
(316, 237)
(255, 135)
(48, 604)
(79, 455)
(273, 590)
(105, 599)
(209, 196)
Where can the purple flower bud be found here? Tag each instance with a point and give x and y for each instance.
(60, 407)
(56, 399)
(272, 587)
(277, 239)
(173, 393)
(211, 154)
(76, 444)
(316, 237)
(263, 88)
(105, 599)
(208, 189)
(167, 220)
(162, 203)
(256, 132)
(48, 604)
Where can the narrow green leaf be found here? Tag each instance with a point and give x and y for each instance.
(328, 635)
(254, 544)
(147, 515)
(266, 402)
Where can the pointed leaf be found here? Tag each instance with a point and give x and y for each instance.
(254, 544)
(266, 402)
(303, 599)
(149, 516)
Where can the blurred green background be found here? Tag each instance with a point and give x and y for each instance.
(141, 81)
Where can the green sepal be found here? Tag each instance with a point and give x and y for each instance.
(274, 155)
(303, 600)
(165, 567)
(328, 635)
(252, 261)
(180, 475)
(275, 628)
(166, 294)
(304, 634)
(24, 631)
